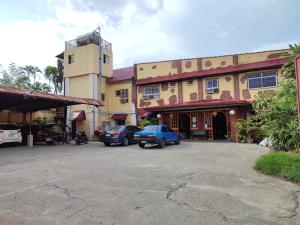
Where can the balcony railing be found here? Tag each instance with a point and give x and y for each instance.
(86, 39)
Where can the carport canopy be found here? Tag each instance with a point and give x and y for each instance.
(22, 100)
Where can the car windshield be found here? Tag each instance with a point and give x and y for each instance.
(152, 128)
(119, 129)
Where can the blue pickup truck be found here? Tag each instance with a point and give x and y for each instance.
(157, 135)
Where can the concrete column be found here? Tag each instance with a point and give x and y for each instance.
(92, 116)
(67, 93)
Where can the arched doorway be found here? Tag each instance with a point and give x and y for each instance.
(184, 125)
(219, 125)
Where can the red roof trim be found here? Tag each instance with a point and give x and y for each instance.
(206, 103)
(215, 71)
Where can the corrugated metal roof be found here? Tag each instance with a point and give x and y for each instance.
(24, 100)
(121, 74)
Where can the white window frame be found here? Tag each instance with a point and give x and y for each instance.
(171, 84)
(189, 82)
(151, 95)
(212, 90)
(261, 73)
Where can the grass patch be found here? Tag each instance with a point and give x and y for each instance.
(282, 164)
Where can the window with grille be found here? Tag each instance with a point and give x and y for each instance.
(212, 86)
(189, 82)
(172, 84)
(123, 95)
(262, 80)
(151, 92)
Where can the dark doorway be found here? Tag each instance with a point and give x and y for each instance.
(219, 126)
(73, 128)
(184, 126)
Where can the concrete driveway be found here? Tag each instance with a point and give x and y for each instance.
(194, 183)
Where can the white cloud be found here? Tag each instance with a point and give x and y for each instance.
(37, 42)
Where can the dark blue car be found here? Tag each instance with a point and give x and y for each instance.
(120, 135)
(157, 135)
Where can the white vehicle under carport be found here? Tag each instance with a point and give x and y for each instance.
(10, 133)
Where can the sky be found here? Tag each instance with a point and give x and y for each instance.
(33, 32)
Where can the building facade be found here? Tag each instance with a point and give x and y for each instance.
(198, 97)
(88, 73)
(204, 97)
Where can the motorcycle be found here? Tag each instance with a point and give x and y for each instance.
(80, 138)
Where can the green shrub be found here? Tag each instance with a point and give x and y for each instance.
(146, 122)
(282, 164)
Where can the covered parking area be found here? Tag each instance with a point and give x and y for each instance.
(29, 101)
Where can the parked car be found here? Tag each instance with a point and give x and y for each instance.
(9, 133)
(157, 135)
(122, 135)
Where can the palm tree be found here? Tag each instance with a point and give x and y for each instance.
(289, 67)
(51, 74)
(37, 86)
(23, 82)
(32, 71)
(60, 78)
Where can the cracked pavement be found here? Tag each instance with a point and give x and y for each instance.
(193, 183)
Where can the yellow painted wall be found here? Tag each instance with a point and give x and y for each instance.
(17, 117)
(257, 56)
(155, 69)
(115, 104)
(189, 89)
(164, 68)
(86, 61)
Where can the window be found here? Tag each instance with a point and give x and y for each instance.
(118, 93)
(212, 86)
(151, 92)
(102, 97)
(124, 95)
(172, 84)
(120, 122)
(105, 59)
(70, 59)
(164, 129)
(189, 82)
(262, 80)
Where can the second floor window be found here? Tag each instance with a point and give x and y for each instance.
(262, 80)
(123, 94)
(70, 59)
(189, 82)
(172, 84)
(105, 59)
(151, 92)
(212, 86)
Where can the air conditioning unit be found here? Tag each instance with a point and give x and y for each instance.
(124, 100)
(210, 91)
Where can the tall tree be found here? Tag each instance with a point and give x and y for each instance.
(51, 74)
(31, 71)
(60, 78)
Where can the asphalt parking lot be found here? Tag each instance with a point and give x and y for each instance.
(193, 183)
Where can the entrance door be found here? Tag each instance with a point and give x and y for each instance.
(184, 125)
(219, 125)
(73, 128)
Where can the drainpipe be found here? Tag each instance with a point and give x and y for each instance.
(100, 67)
